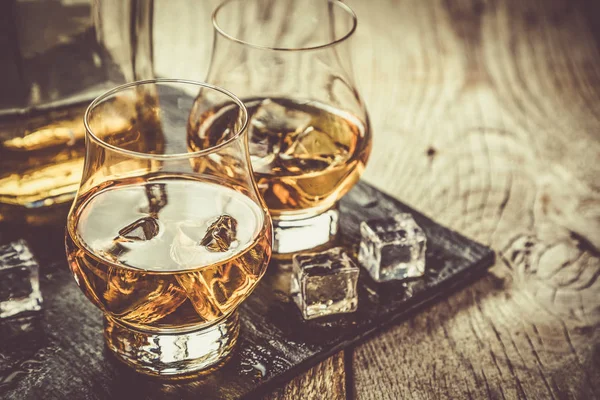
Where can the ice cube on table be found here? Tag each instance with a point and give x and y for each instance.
(19, 280)
(313, 150)
(324, 283)
(271, 126)
(392, 248)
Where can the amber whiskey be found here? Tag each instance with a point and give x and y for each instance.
(305, 155)
(166, 252)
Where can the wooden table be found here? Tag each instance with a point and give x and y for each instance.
(486, 117)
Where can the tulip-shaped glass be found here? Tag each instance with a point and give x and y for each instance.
(309, 134)
(165, 240)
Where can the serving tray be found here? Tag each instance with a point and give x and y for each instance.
(60, 352)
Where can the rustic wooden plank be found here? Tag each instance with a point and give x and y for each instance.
(491, 113)
(325, 381)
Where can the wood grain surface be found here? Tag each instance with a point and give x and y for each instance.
(486, 117)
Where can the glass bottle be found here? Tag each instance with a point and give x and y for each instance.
(55, 57)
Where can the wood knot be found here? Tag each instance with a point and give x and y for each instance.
(431, 152)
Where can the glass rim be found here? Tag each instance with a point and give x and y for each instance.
(337, 3)
(164, 157)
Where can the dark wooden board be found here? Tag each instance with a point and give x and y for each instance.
(60, 353)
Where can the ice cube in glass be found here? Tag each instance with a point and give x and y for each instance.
(270, 124)
(392, 248)
(313, 151)
(324, 283)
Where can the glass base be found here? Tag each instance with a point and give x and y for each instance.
(172, 353)
(296, 234)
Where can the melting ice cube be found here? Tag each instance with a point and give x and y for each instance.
(221, 234)
(212, 292)
(185, 249)
(392, 248)
(325, 283)
(19, 280)
(313, 150)
(271, 127)
(143, 229)
(203, 243)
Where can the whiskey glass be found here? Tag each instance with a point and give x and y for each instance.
(165, 240)
(309, 132)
